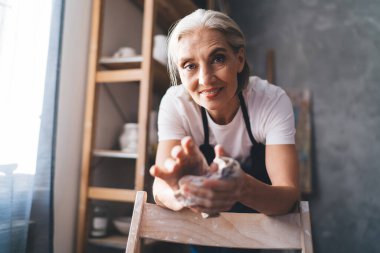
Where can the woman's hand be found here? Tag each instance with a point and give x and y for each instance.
(214, 195)
(185, 159)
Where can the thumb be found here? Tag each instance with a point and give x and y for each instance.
(219, 151)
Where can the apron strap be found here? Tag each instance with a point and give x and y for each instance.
(246, 118)
(205, 125)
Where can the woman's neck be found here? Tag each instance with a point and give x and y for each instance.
(225, 115)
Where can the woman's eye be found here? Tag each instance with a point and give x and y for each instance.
(219, 58)
(189, 66)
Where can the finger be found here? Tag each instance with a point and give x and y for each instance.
(213, 167)
(218, 185)
(159, 172)
(211, 195)
(219, 151)
(169, 165)
(187, 144)
(177, 152)
(164, 172)
(153, 170)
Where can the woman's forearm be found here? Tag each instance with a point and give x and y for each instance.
(268, 199)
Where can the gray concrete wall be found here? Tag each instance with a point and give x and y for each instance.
(332, 48)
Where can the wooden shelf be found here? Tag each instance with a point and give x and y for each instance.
(113, 154)
(111, 194)
(118, 76)
(113, 241)
(118, 241)
(121, 63)
(169, 11)
(129, 70)
(152, 79)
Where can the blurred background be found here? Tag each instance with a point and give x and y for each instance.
(331, 49)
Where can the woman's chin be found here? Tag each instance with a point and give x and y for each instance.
(211, 106)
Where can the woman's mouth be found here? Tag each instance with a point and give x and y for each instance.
(210, 93)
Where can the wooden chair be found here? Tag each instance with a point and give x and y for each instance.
(236, 230)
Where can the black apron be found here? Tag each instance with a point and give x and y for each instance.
(254, 165)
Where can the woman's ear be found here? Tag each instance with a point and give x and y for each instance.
(241, 59)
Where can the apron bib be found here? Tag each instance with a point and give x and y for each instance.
(254, 165)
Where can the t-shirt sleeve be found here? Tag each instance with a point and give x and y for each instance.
(280, 127)
(170, 125)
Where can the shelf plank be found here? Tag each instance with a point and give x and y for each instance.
(118, 241)
(112, 194)
(121, 63)
(161, 81)
(114, 76)
(169, 11)
(113, 154)
(113, 241)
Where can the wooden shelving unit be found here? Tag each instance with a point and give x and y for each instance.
(142, 69)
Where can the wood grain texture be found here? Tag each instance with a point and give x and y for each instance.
(237, 230)
(133, 236)
(112, 76)
(112, 194)
(306, 236)
(227, 230)
(145, 92)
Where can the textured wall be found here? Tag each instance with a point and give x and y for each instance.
(333, 48)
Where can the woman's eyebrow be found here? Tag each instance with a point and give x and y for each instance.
(212, 53)
(217, 50)
(184, 59)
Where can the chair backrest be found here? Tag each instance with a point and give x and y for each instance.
(237, 230)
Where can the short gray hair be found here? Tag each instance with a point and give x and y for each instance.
(211, 20)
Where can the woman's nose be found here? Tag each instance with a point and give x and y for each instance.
(205, 76)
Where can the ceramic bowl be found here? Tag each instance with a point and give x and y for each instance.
(123, 224)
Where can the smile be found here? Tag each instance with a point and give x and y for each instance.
(210, 91)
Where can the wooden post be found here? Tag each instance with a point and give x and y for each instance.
(145, 92)
(88, 132)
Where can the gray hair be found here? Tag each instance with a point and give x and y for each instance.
(212, 20)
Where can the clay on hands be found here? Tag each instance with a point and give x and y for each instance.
(228, 168)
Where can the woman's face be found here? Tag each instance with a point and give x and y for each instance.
(208, 68)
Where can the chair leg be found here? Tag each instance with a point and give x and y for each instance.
(307, 244)
(133, 244)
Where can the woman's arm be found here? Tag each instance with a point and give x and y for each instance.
(174, 160)
(280, 197)
(163, 193)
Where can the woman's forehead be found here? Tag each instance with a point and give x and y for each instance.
(201, 35)
(201, 41)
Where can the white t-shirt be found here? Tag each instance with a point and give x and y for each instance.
(269, 108)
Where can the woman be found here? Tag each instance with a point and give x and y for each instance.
(219, 110)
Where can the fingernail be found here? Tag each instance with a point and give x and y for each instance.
(191, 143)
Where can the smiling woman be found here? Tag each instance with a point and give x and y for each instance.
(207, 67)
(218, 111)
